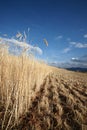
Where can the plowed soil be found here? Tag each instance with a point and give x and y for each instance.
(60, 104)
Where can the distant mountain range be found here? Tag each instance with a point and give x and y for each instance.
(77, 69)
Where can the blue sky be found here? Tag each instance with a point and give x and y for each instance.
(62, 22)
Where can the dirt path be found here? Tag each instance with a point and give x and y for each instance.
(60, 104)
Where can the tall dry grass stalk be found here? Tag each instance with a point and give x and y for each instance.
(20, 78)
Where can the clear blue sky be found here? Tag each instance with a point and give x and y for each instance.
(62, 22)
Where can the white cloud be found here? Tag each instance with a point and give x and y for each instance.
(82, 59)
(78, 44)
(72, 43)
(69, 64)
(79, 62)
(5, 35)
(85, 36)
(74, 58)
(75, 45)
(73, 62)
(59, 37)
(37, 50)
(20, 44)
(66, 50)
(68, 39)
(81, 45)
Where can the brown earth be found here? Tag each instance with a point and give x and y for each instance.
(60, 104)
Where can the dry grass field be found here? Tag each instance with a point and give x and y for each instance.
(34, 96)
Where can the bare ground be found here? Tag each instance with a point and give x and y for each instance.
(60, 104)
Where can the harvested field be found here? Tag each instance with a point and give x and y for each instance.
(60, 103)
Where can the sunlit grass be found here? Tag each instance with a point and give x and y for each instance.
(20, 78)
(35, 96)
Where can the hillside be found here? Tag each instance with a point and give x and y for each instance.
(59, 104)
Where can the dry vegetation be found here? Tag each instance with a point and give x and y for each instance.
(34, 96)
